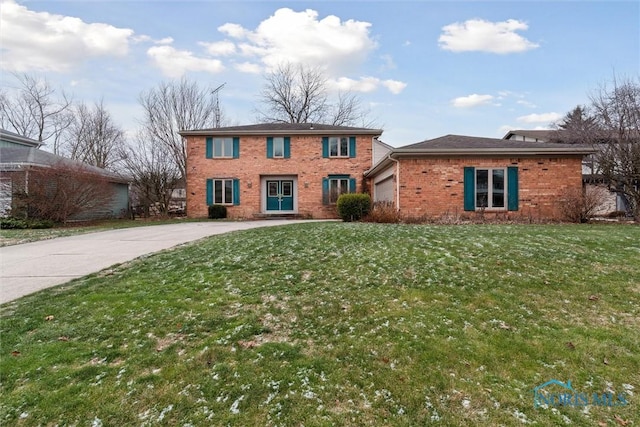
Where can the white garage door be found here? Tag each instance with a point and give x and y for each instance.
(384, 190)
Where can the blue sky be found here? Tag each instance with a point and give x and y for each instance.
(423, 68)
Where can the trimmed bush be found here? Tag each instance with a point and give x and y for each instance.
(22, 224)
(353, 206)
(217, 211)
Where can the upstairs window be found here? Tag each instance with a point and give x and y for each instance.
(339, 146)
(223, 148)
(278, 147)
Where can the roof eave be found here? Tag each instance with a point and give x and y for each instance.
(283, 132)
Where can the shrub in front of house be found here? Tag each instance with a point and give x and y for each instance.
(353, 206)
(217, 211)
(384, 212)
(22, 224)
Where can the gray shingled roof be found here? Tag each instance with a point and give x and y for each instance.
(282, 128)
(13, 157)
(461, 142)
(460, 145)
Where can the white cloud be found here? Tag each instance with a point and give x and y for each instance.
(485, 36)
(526, 103)
(473, 100)
(48, 42)
(394, 86)
(301, 37)
(366, 84)
(223, 48)
(234, 30)
(166, 40)
(174, 63)
(540, 118)
(248, 67)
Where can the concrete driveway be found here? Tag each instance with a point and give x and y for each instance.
(30, 267)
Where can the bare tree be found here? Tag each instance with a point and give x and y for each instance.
(616, 109)
(93, 137)
(35, 111)
(64, 190)
(153, 171)
(174, 106)
(299, 94)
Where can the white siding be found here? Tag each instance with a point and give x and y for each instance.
(380, 150)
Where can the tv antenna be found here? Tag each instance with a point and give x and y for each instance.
(217, 103)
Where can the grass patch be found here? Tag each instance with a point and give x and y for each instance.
(337, 324)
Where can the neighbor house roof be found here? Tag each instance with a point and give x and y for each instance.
(6, 136)
(282, 129)
(540, 135)
(16, 158)
(460, 145)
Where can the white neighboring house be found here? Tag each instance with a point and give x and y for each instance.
(611, 200)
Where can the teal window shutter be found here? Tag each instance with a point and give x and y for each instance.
(512, 188)
(236, 147)
(325, 147)
(236, 192)
(469, 188)
(352, 185)
(352, 146)
(209, 192)
(287, 147)
(325, 191)
(269, 147)
(209, 148)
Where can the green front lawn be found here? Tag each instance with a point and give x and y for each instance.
(338, 324)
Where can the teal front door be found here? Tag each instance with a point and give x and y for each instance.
(279, 195)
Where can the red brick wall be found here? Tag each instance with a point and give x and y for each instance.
(306, 162)
(434, 187)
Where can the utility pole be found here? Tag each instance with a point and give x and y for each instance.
(217, 109)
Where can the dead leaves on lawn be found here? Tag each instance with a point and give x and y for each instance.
(620, 421)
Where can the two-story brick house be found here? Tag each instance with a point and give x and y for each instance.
(275, 169)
